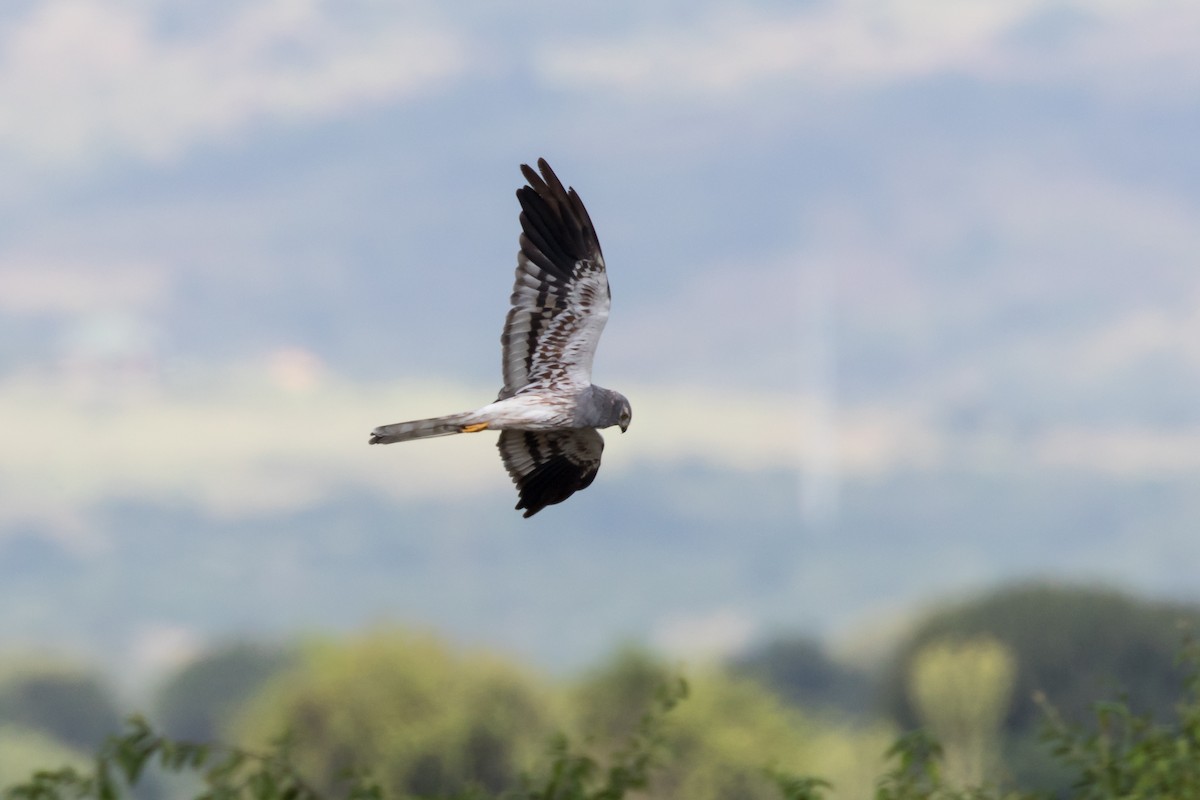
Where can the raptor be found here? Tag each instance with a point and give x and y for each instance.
(548, 412)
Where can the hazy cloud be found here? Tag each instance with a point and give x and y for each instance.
(81, 77)
(864, 43)
(1125, 453)
(35, 285)
(233, 446)
(714, 635)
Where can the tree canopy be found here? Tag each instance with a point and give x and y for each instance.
(1072, 644)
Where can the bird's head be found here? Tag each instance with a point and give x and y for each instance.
(602, 408)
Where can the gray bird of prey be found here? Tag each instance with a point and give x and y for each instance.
(549, 410)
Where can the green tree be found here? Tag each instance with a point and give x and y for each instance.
(961, 690)
(221, 772)
(1072, 644)
(1126, 756)
(717, 744)
(62, 700)
(425, 719)
(23, 751)
(200, 700)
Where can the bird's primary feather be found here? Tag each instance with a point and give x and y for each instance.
(560, 297)
(547, 467)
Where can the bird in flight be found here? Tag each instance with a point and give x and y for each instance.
(548, 411)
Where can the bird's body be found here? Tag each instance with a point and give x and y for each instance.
(526, 411)
(548, 409)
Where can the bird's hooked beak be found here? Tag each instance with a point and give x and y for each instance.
(624, 426)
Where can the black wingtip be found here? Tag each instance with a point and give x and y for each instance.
(531, 177)
(530, 508)
(555, 221)
(546, 178)
(548, 467)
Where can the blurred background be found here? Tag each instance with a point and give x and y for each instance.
(905, 297)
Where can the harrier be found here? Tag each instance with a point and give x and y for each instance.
(549, 410)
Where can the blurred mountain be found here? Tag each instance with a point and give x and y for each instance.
(692, 560)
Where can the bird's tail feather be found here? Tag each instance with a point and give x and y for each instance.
(422, 428)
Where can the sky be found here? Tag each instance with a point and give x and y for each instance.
(858, 242)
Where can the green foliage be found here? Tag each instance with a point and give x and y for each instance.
(1130, 755)
(961, 690)
(610, 702)
(1071, 644)
(426, 720)
(916, 774)
(578, 776)
(1126, 756)
(201, 699)
(718, 743)
(231, 773)
(1122, 757)
(227, 773)
(63, 701)
(22, 751)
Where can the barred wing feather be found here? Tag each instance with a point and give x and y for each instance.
(550, 466)
(560, 298)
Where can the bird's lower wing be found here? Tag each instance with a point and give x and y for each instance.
(550, 466)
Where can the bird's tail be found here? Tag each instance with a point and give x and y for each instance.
(426, 428)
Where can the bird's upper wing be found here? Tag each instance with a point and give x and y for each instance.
(560, 299)
(550, 466)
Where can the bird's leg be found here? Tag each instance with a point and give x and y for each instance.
(476, 428)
